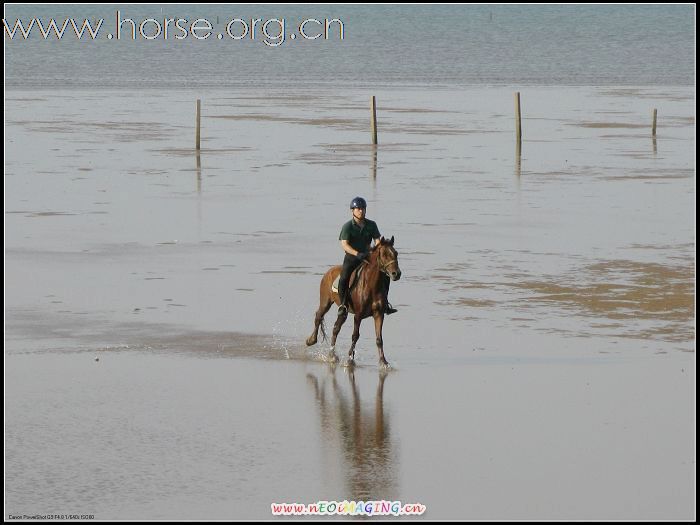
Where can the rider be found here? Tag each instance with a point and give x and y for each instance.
(355, 238)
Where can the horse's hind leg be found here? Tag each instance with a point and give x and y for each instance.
(355, 337)
(322, 309)
(336, 328)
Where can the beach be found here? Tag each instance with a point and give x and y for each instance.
(157, 301)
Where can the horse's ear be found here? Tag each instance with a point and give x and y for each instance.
(391, 242)
(382, 240)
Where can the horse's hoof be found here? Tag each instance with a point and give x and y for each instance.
(349, 363)
(332, 357)
(383, 365)
(310, 341)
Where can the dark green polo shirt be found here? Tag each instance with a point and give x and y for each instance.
(359, 238)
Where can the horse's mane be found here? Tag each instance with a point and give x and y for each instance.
(374, 249)
(381, 242)
(376, 246)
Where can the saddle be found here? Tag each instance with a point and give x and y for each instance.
(354, 279)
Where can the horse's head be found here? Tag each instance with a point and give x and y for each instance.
(387, 258)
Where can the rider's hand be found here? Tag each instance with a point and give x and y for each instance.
(362, 256)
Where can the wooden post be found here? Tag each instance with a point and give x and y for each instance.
(518, 131)
(653, 125)
(374, 120)
(199, 115)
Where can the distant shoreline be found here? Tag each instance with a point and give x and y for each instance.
(339, 87)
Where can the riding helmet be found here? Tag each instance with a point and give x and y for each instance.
(358, 202)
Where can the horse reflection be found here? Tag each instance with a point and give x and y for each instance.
(362, 433)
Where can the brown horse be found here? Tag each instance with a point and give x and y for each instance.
(368, 297)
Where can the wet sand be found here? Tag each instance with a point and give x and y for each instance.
(204, 436)
(543, 354)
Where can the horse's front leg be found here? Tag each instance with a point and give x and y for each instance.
(378, 323)
(355, 337)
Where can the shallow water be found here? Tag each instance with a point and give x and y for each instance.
(546, 309)
(587, 229)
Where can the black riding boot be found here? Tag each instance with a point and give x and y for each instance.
(342, 309)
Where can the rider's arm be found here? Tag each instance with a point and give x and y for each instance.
(347, 248)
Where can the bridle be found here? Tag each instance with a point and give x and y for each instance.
(384, 267)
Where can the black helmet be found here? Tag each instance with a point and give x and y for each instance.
(358, 202)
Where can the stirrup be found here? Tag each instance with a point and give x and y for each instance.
(390, 309)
